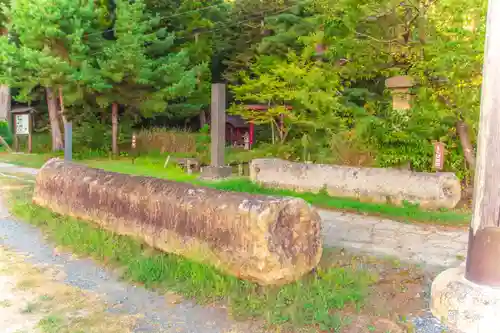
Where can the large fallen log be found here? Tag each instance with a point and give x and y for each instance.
(268, 240)
(429, 190)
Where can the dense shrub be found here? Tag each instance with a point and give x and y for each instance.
(166, 140)
(5, 132)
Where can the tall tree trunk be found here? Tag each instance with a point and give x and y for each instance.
(114, 122)
(55, 127)
(4, 102)
(4, 93)
(468, 150)
(203, 118)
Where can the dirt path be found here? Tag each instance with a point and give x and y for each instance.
(34, 299)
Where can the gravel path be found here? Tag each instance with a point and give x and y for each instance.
(158, 314)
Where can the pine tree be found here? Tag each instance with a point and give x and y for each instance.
(139, 67)
(195, 25)
(5, 98)
(54, 39)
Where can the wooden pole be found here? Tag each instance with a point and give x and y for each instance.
(30, 135)
(114, 124)
(484, 236)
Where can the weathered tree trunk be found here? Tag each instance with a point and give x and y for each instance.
(4, 102)
(114, 121)
(4, 93)
(203, 118)
(55, 127)
(468, 150)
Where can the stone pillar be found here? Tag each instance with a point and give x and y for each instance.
(217, 168)
(400, 90)
(468, 298)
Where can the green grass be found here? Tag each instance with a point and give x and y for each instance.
(150, 167)
(25, 160)
(312, 301)
(51, 324)
(153, 167)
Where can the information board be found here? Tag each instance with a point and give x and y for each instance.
(22, 124)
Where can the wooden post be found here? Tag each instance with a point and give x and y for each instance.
(484, 236)
(134, 147)
(251, 134)
(438, 162)
(114, 122)
(30, 135)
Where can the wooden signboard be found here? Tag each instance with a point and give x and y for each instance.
(22, 124)
(23, 127)
(439, 153)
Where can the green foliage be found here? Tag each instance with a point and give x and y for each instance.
(339, 95)
(139, 63)
(195, 25)
(5, 132)
(298, 90)
(244, 29)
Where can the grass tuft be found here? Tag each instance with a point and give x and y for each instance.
(313, 301)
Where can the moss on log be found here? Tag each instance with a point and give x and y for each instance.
(267, 240)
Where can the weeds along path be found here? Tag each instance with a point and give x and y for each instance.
(76, 283)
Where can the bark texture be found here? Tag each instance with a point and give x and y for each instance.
(55, 125)
(430, 190)
(263, 239)
(468, 149)
(4, 102)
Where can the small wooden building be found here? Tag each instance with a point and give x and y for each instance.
(237, 127)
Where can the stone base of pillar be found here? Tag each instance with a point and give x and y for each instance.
(463, 305)
(215, 173)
